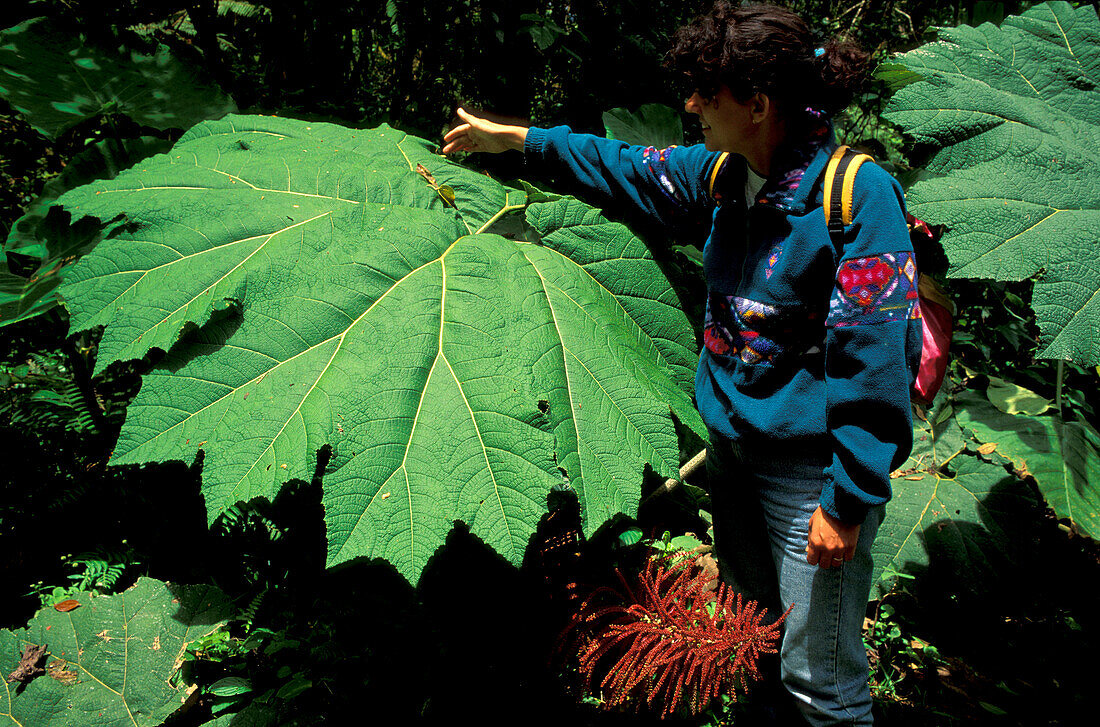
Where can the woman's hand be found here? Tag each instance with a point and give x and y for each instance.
(831, 542)
(483, 135)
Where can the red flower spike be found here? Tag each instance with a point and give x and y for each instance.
(679, 644)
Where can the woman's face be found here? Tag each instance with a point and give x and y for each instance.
(728, 124)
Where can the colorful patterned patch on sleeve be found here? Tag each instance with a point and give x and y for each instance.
(874, 289)
(656, 160)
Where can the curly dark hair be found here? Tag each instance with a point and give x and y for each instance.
(751, 48)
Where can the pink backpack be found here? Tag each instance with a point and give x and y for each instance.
(936, 310)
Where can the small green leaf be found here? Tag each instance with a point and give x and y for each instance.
(685, 542)
(630, 536)
(1013, 399)
(294, 687)
(691, 252)
(230, 687)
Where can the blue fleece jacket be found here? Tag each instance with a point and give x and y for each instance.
(809, 347)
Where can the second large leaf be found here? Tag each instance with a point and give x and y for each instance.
(1014, 115)
(58, 77)
(317, 286)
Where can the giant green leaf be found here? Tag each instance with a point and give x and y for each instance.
(964, 520)
(314, 287)
(58, 77)
(1063, 457)
(111, 659)
(1013, 114)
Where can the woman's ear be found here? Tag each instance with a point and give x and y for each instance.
(759, 107)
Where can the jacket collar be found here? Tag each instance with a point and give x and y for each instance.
(797, 166)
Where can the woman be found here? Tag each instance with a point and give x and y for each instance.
(810, 347)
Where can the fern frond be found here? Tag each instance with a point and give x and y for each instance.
(81, 419)
(101, 568)
(248, 615)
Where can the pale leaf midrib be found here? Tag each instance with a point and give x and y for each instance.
(626, 314)
(565, 371)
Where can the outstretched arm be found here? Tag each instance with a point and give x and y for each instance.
(672, 187)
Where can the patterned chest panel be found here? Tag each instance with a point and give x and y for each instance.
(875, 289)
(773, 258)
(756, 332)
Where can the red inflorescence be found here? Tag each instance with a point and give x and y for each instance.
(671, 640)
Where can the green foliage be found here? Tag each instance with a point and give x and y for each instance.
(960, 501)
(1062, 457)
(42, 242)
(893, 653)
(965, 517)
(1013, 114)
(42, 393)
(322, 272)
(97, 571)
(653, 124)
(312, 644)
(58, 78)
(110, 659)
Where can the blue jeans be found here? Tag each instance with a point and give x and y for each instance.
(762, 503)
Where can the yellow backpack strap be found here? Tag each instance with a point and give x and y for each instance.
(718, 164)
(843, 164)
(830, 175)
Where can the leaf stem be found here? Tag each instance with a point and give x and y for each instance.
(503, 211)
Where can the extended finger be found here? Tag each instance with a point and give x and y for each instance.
(456, 132)
(461, 143)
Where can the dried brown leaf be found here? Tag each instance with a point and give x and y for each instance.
(29, 664)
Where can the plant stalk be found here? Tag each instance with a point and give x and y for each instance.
(82, 375)
(1058, 385)
(686, 471)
